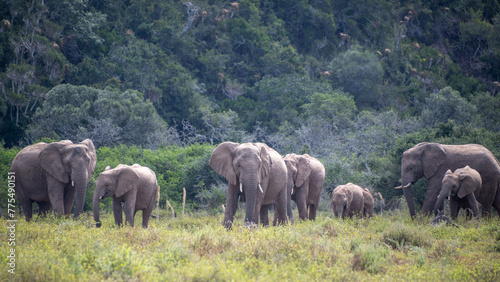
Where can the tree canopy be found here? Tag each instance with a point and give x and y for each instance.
(353, 83)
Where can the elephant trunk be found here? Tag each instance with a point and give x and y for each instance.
(289, 189)
(80, 177)
(339, 209)
(445, 193)
(250, 188)
(409, 199)
(95, 205)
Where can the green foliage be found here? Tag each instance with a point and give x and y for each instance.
(354, 83)
(108, 117)
(6, 157)
(400, 237)
(359, 73)
(445, 105)
(198, 247)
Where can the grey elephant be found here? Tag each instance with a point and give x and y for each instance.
(369, 203)
(53, 175)
(135, 186)
(460, 186)
(306, 176)
(432, 160)
(350, 200)
(255, 172)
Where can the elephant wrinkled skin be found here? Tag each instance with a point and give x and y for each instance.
(257, 173)
(306, 176)
(432, 160)
(54, 175)
(135, 186)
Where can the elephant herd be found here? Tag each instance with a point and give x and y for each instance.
(55, 174)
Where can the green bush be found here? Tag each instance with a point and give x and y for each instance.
(400, 237)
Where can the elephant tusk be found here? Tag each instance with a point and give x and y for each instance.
(260, 187)
(406, 186)
(72, 183)
(241, 187)
(292, 191)
(100, 198)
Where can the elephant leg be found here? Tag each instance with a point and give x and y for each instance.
(281, 207)
(146, 214)
(264, 215)
(129, 209)
(117, 211)
(433, 189)
(454, 208)
(69, 198)
(312, 211)
(231, 205)
(27, 208)
(56, 195)
(43, 208)
(301, 199)
(473, 204)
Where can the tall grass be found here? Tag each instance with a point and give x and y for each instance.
(197, 247)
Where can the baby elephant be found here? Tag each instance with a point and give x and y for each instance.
(460, 186)
(350, 200)
(134, 186)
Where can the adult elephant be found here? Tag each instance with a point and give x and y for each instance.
(257, 173)
(54, 174)
(460, 186)
(306, 176)
(135, 186)
(432, 160)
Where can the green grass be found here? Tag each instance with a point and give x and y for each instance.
(197, 247)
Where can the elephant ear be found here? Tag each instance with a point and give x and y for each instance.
(265, 158)
(468, 185)
(303, 170)
(433, 156)
(92, 156)
(222, 159)
(127, 180)
(51, 160)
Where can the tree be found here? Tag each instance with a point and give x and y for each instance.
(108, 117)
(447, 104)
(358, 72)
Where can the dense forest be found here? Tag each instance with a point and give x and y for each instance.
(352, 83)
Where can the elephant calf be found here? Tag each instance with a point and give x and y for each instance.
(134, 186)
(460, 187)
(350, 199)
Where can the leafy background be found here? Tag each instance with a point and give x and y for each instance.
(160, 83)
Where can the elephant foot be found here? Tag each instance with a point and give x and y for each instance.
(250, 225)
(98, 224)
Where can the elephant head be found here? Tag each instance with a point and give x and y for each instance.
(244, 166)
(460, 183)
(299, 168)
(113, 182)
(341, 202)
(67, 162)
(422, 160)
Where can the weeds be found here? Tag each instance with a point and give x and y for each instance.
(197, 247)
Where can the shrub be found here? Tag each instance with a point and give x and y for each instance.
(400, 237)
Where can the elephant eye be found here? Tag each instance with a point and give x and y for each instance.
(238, 165)
(107, 185)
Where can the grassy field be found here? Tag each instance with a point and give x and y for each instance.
(196, 247)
